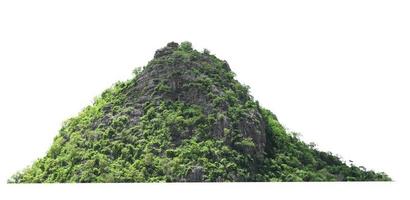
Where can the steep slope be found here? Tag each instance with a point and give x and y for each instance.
(182, 118)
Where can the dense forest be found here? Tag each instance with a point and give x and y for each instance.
(182, 118)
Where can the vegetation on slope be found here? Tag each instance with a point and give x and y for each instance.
(182, 118)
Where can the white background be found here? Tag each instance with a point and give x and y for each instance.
(335, 71)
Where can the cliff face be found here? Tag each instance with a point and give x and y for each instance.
(191, 78)
(182, 118)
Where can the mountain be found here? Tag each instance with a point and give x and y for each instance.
(183, 118)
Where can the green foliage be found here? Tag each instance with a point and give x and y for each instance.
(186, 46)
(162, 87)
(206, 128)
(137, 71)
(207, 52)
(246, 143)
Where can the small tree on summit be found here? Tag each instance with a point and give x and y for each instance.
(186, 46)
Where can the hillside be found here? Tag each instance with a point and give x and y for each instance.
(183, 118)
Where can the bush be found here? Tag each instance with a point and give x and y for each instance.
(186, 46)
(207, 52)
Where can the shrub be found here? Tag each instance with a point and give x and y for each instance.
(186, 46)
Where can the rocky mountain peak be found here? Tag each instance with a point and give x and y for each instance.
(183, 117)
